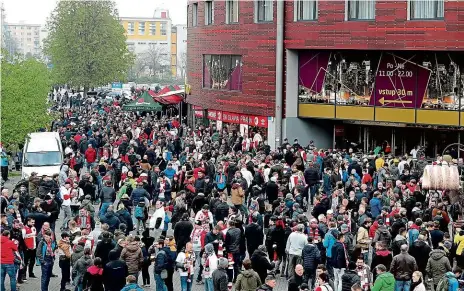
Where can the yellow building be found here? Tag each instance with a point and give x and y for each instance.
(152, 37)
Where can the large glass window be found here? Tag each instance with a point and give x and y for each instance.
(141, 28)
(152, 28)
(209, 12)
(427, 9)
(264, 10)
(195, 14)
(163, 28)
(232, 11)
(361, 9)
(222, 72)
(306, 10)
(130, 28)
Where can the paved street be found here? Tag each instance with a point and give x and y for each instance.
(34, 284)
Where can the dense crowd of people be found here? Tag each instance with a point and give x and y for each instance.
(241, 213)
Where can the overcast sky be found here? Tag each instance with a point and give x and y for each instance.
(36, 11)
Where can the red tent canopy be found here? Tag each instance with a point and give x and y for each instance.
(167, 99)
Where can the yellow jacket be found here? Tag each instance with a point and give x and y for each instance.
(459, 241)
(379, 163)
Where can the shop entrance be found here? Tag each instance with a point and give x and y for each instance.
(437, 140)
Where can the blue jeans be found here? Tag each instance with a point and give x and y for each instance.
(209, 284)
(47, 268)
(104, 208)
(160, 285)
(184, 285)
(402, 285)
(9, 269)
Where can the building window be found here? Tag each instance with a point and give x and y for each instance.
(306, 9)
(163, 29)
(130, 28)
(141, 28)
(209, 12)
(232, 11)
(265, 11)
(427, 9)
(195, 14)
(361, 9)
(152, 28)
(222, 72)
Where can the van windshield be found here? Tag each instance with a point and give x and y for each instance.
(42, 159)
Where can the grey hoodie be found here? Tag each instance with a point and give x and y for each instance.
(63, 176)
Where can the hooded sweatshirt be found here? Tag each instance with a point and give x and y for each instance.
(384, 282)
(437, 265)
(247, 280)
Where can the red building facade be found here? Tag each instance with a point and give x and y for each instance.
(393, 28)
(255, 42)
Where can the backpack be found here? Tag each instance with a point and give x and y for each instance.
(455, 210)
(139, 212)
(129, 189)
(385, 236)
(443, 284)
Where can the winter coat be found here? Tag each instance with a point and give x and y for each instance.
(93, 279)
(138, 194)
(222, 211)
(115, 273)
(132, 255)
(420, 287)
(260, 263)
(247, 280)
(311, 256)
(77, 254)
(349, 278)
(338, 256)
(402, 267)
(111, 219)
(384, 282)
(103, 249)
(421, 252)
(232, 241)
(238, 194)
(397, 243)
(80, 268)
(295, 282)
(125, 217)
(182, 232)
(220, 280)
(107, 194)
(254, 236)
(437, 265)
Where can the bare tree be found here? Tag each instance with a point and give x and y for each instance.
(158, 59)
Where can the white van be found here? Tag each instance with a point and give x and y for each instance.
(43, 154)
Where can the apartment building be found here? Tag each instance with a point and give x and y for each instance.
(26, 37)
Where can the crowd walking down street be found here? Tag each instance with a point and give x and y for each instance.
(145, 201)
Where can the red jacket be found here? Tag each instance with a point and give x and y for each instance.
(7, 250)
(91, 155)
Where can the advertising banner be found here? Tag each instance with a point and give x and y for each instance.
(373, 78)
(230, 117)
(399, 83)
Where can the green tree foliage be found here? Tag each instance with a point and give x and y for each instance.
(25, 85)
(86, 44)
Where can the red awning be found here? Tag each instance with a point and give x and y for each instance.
(171, 99)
